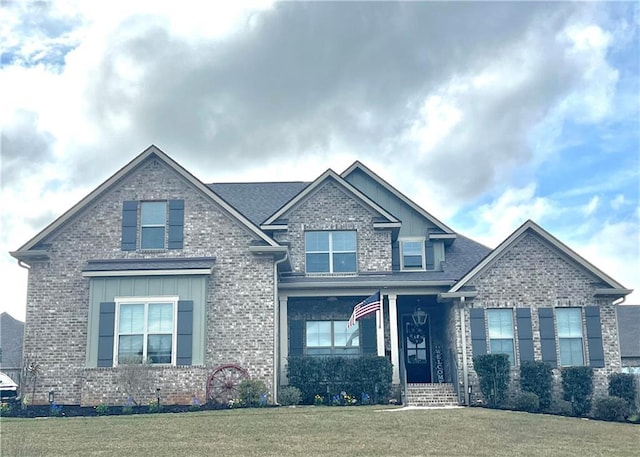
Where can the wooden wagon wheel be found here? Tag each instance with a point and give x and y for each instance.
(223, 382)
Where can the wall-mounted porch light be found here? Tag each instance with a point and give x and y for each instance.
(52, 397)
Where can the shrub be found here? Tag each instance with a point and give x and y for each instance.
(289, 396)
(577, 386)
(253, 392)
(6, 409)
(329, 376)
(536, 377)
(623, 385)
(101, 409)
(610, 409)
(154, 406)
(561, 407)
(526, 401)
(494, 373)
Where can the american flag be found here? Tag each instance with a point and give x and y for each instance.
(365, 307)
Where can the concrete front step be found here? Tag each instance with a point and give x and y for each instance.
(431, 395)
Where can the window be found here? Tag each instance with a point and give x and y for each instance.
(332, 338)
(412, 254)
(330, 252)
(569, 322)
(145, 225)
(501, 332)
(153, 223)
(145, 330)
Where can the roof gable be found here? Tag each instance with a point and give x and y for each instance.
(614, 288)
(330, 175)
(151, 152)
(358, 166)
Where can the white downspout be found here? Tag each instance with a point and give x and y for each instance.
(465, 373)
(276, 325)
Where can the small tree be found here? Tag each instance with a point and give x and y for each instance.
(536, 377)
(494, 373)
(577, 386)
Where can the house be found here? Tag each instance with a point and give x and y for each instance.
(207, 284)
(11, 334)
(629, 328)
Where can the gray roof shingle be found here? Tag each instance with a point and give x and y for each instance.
(258, 200)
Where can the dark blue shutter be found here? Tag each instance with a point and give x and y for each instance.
(176, 224)
(594, 336)
(395, 256)
(478, 332)
(368, 334)
(129, 225)
(185, 332)
(428, 249)
(525, 334)
(105, 334)
(547, 336)
(296, 337)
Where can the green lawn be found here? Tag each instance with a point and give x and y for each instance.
(309, 431)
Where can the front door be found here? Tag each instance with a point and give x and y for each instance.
(417, 354)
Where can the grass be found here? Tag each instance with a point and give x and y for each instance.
(309, 431)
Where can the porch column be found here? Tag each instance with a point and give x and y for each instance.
(380, 330)
(393, 334)
(284, 341)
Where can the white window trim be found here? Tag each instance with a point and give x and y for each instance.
(513, 334)
(145, 300)
(165, 225)
(585, 362)
(422, 241)
(331, 252)
(333, 347)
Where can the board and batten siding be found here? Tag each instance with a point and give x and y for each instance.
(185, 287)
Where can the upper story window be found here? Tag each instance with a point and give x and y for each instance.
(332, 338)
(412, 257)
(153, 224)
(501, 332)
(330, 252)
(146, 331)
(569, 327)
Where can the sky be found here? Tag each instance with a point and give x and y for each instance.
(485, 114)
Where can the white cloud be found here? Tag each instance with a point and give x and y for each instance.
(614, 247)
(592, 206)
(496, 220)
(618, 201)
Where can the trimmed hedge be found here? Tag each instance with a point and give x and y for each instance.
(526, 401)
(329, 376)
(537, 378)
(610, 409)
(623, 385)
(494, 372)
(577, 385)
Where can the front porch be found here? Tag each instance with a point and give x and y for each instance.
(415, 332)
